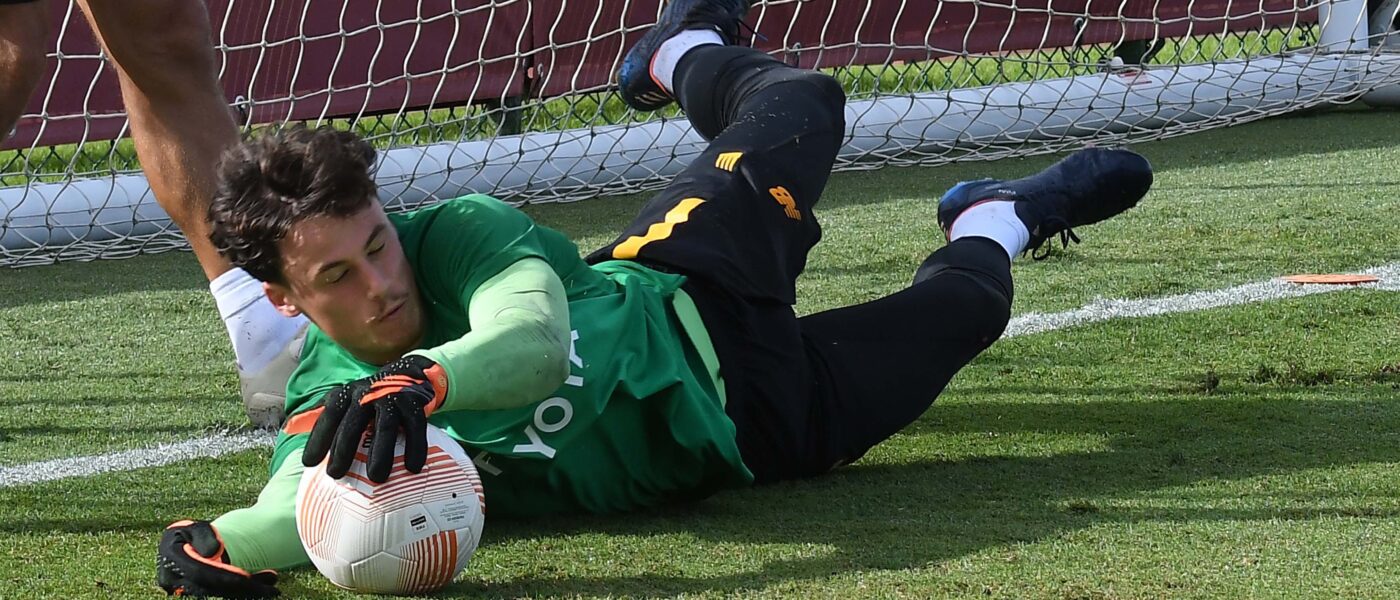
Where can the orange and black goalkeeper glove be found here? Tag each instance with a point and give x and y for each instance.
(399, 397)
(192, 561)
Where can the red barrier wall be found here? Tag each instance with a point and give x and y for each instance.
(287, 57)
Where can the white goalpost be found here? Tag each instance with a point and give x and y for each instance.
(512, 97)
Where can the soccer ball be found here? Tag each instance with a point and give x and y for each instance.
(411, 534)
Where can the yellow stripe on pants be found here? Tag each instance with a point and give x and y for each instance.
(657, 231)
(728, 160)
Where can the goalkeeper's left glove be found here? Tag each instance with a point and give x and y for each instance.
(401, 395)
(192, 561)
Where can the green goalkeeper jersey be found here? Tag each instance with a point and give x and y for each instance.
(639, 421)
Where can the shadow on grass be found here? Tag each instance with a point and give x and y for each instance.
(909, 515)
(884, 513)
(92, 431)
(115, 377)
(128, 501)
(78, 281)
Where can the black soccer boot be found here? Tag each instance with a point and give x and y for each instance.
(1084, 188)
(639, 89)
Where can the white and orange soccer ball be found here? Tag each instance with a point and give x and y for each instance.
(411, 534)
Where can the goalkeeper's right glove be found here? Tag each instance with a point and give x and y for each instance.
(400, 397)
(192, 561)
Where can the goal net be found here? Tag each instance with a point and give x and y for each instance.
(514, 97)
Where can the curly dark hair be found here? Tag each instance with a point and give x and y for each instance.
(273, 181)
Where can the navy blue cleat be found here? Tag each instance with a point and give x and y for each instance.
(1084, 188)
(639, 89)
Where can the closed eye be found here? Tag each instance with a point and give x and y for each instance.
(335, 275)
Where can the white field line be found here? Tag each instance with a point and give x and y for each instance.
(228, 442)
(1262, 291)
(218, 444)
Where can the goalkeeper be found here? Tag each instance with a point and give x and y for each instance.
(663, 367)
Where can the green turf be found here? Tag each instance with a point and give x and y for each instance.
(1241, 452)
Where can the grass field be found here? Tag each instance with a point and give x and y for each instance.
(1248, 451)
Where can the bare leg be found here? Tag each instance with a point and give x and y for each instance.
(23, 32)
(181, 125)
(179, 120)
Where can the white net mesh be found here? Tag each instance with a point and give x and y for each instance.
(514, 98)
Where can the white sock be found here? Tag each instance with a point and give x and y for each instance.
(995, 220)
(257, 330)
(663, 63)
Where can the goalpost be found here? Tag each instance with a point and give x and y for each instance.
(513, 97)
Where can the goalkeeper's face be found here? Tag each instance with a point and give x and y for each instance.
(350, 276)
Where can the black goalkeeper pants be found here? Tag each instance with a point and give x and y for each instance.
(811, 393)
